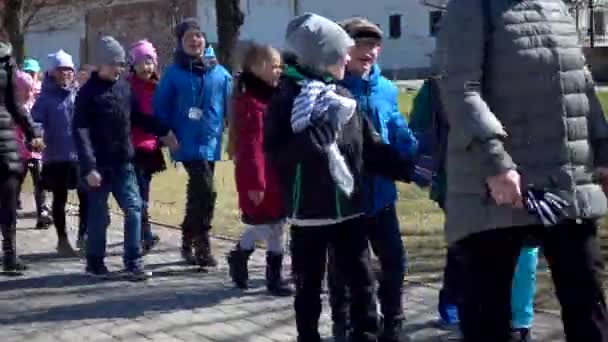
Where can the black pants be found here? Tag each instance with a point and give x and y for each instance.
(384, 235)
(9, 185)
(34, 166)
(60, 199)
(573, 253)
(309, 256)
(201, 198)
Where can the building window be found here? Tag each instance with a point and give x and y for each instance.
(435, 17)
(394, 26)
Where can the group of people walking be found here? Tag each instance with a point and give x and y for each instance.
(508, 134)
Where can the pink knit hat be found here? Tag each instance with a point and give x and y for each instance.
(141, 50)
(23, 81)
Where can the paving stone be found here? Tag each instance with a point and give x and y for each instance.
(54, 301)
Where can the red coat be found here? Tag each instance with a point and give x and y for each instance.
(252, 171)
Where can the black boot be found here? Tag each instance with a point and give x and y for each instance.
(187, 248)
(237, 263)
(391, 330)
(203, 250)
(274, 279)
(10, 263)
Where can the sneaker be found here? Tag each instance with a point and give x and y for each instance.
(188, 257)
(207, 261)
(100, 271)
(13, 267)
(521, 335)
(40, 225)
(137, 273)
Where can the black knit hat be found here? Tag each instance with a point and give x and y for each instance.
(185, 25)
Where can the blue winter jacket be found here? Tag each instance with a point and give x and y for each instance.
(54, 110)
(179, 91)
(377, 98)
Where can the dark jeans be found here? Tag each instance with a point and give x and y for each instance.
(201, 198)
(122, 183)
(143, 181)
(34, 166)
(573, 253)
(309, 246)
(383, 232)
(9, 184)
(60, 199)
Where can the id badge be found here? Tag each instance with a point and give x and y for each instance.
(195, 113)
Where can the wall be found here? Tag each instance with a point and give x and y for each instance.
(39, 44)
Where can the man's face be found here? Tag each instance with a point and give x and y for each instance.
(364, 55)
(111, 72)
(193, 43)
(64, 76)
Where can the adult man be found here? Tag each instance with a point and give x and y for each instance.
(192, 99)
(523, 117)
(377, 98)
(104, 111)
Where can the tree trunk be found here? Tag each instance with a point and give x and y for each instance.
(230, 18)
(13, 22)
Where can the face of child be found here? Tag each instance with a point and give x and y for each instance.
(269, 71)
(338, 69)
(145, 68)
(363, 55)
(24, 95)
(193, 43)
(64, 76)
(33, 74)
(111, 72)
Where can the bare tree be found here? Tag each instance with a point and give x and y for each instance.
(230, 18)
(18, 14)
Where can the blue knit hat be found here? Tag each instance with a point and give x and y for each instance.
(60, 59)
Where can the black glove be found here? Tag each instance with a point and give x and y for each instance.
(547, 206)
(323, 134)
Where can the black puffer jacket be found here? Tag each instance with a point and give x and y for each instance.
(311, 196)
(11, 114)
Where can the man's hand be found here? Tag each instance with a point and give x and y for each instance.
(505, 188)
(256, 197)
(602, 173)
(37, 145)
(170, 141)
(94, 179)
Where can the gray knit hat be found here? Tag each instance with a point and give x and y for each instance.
(108, 51)
(316, 41)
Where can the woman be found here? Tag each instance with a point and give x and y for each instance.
(256, 181)
(321, 213)
(11, 165)
(149, 158)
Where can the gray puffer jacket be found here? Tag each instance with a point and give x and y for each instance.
(518, 96)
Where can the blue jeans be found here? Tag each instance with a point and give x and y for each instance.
(143, 181)
(122, 183)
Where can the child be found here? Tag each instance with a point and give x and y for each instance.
(32, 67)
(54, 109)
(149, 158)
(104, 112)
(259, 196)
(25, 97)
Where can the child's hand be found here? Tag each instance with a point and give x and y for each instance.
(37, 145)
(170, 141)
(256, 197)
(94, 179)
